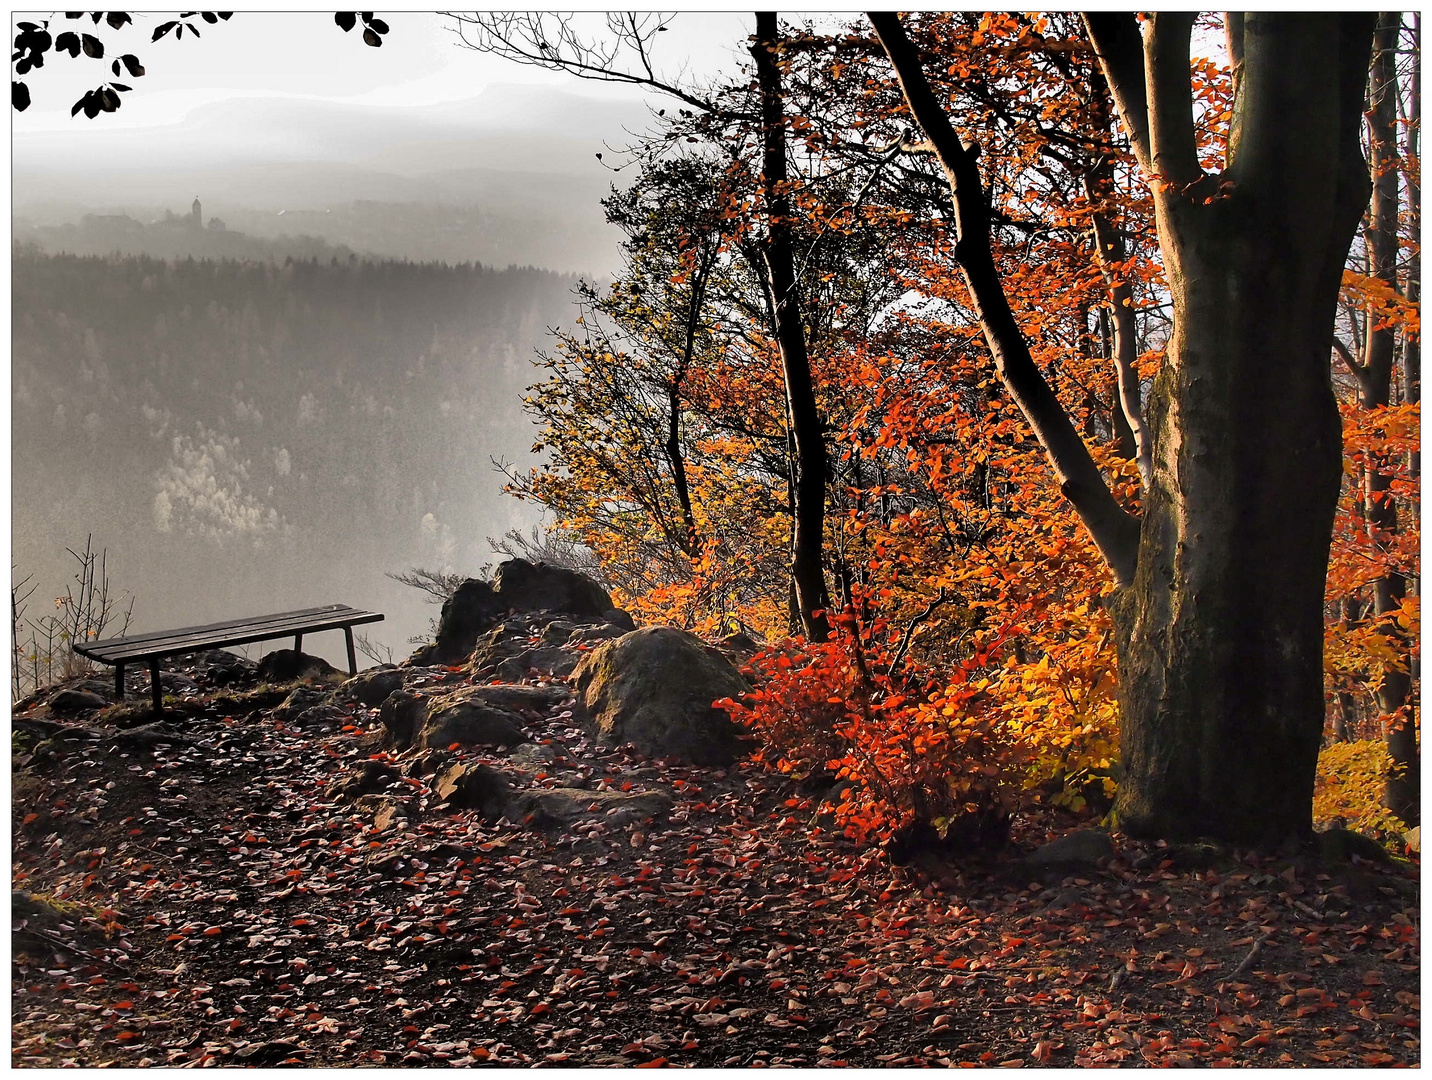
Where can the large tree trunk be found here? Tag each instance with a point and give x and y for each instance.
(1218, 606)
(1220, 636)
(809, 461)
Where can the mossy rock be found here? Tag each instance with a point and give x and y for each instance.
(654, 688)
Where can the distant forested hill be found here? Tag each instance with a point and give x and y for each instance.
(247, 436)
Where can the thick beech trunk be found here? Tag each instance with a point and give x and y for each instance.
(809, 462)
(1220, 636)
(1218, 611)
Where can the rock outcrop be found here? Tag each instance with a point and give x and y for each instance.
(654, 688)
(466, 614)
(525, 586)
(494, 621)
(1070, 854)
(402, 714)
(466, 719)
(372, 687)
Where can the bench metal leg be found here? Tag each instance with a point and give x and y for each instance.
(298, 643)
(352, 656)
(118, 682)
(155, 690)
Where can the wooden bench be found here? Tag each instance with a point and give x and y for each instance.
(154, 646)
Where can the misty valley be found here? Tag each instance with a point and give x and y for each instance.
(246, 436)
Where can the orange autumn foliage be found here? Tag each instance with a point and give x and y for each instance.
(950, 548)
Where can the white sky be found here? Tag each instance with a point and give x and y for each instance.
(293, 54)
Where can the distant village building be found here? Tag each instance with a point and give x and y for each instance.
(216, 224)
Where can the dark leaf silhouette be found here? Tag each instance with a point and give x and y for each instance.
(19, 96)
(68, 42)
(116, 19)
(93, 47)
(346, 19)
(371, 38)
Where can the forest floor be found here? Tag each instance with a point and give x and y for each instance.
(209, 902)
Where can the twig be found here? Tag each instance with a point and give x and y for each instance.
(1242, 968)
(939, 599)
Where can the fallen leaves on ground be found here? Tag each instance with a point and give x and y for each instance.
(213, 904)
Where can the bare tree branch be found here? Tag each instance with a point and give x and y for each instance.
(1114, 530)
(550, 40)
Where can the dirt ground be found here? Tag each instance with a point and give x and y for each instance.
(210, 902)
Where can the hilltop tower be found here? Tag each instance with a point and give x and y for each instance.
(196, 214)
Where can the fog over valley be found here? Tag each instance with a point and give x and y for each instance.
(268, 354)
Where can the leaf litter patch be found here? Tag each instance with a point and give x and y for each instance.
(220, 902)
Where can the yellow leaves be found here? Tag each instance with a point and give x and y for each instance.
(1350, 781)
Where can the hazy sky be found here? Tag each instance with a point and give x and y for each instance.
(305, 55)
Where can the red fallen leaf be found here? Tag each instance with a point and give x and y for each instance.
(1043, 1050)
(125, 1036)
(212, 931)
(919, 1001)
(656, 1063)
(33, 817)
(123, 1005)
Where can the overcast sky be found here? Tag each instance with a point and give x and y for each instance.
(305, 55)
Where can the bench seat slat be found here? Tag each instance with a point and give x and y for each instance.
(232, 632)
(161, 642)
(257, 621)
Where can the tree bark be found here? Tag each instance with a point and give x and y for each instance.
(809, 464)
(1374, 375)
(1220, 635)
(1218, 608)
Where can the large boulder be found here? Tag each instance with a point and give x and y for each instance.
(545, 660)
(525, 699)
(469, 721)
(68, 701)
(372, 687)
(503, 642)
(468, 612)
(654, 688)
(541, 586)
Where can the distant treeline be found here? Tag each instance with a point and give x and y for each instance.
(429, 232)
(262, 412)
